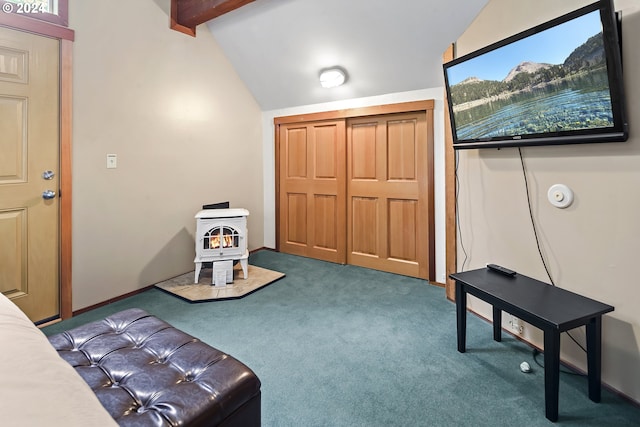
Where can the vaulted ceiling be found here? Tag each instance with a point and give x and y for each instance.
(279, 46)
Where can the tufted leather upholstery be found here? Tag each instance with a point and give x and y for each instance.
(147, 373)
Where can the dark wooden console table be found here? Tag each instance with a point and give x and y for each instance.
(553, 310)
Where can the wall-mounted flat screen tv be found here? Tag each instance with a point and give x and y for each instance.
(557, 83)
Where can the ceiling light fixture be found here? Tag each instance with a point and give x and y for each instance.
(332, 77)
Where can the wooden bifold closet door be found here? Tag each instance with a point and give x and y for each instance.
(387, 191)
(312, 190)
(358, 190)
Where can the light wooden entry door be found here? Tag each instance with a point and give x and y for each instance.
(29, 147)
(312, 190)
(388, 193)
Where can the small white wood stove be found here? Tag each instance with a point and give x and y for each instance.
(221, 238)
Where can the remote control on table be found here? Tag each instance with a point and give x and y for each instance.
(500, 269)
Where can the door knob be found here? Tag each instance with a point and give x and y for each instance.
(48, 175)
(48, 194)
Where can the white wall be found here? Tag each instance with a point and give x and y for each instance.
(185, 129)
(268, 153)
(592, 246)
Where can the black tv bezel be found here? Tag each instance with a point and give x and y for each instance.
(612, 44)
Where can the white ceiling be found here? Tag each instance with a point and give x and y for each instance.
(279, 46)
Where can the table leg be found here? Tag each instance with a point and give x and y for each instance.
(461, 315)
(497, 324)
(551, 373)
(594, 354)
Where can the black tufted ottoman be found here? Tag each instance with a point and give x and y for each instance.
(147, 373)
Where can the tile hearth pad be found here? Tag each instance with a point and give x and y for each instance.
(183, 286)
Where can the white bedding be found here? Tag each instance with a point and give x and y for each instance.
(37, 387)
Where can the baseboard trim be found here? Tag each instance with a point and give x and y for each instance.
(112, 300)
(138, 291)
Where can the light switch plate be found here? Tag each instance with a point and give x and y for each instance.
(112, 161)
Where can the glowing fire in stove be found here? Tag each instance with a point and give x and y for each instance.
(227, 241)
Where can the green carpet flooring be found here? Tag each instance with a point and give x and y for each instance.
(339, 345)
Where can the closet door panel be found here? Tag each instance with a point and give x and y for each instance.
(387, 163)
(312, 190)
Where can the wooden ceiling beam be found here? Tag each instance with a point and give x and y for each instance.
(186, 15)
